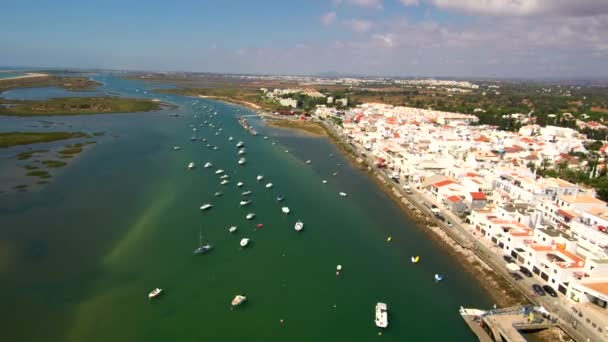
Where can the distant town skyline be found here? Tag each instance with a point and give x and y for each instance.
(441, 38)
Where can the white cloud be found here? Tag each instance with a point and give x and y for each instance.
(525, 7)
(328, 18)
(358, 25)
(410, 2)
(377, 4)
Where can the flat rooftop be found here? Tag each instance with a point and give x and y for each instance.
(599, 287)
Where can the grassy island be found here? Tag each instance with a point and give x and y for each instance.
(76, 106)
(8, 139)
(44, 80)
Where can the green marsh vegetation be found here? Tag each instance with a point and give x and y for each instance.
(8, 139)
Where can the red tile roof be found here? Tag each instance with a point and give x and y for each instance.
(478, 196)
(454, 198)
(443, 183)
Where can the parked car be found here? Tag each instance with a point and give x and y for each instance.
(516, 276)
(508, 258)
(550, 290)
(538, 289)
(526, 272)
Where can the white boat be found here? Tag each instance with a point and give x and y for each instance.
(155, 293)
(265, 138)
(308, 161)
(246, 193)
(285, 210)
(230, 139)
(238, 300)
(250, 216)
(343, 194)
(244, 203)
(224, 182)
(381, 315)
(324, 181)
(232, 229)
(242, 161)
(224, 177)
(207, 165)
(468, 312)
(240, 144)
(239, 184)
(269, 185)
(206, 206)
(191, 166)
(219, 172)
(175, 148)
(259, 178)
(215, 147)
(241, 152)
(244, 242)
(299, 225)
(218, 194)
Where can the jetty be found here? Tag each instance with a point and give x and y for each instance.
(243, 122)
(507, 324)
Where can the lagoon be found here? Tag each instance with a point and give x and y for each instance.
(79, 256)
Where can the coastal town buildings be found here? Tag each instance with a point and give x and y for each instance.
(488, 178)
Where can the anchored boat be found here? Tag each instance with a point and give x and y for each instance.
(381, 315)
(155, 293)
(238, 300)
(299, 225)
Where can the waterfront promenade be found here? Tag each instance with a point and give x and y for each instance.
(570, 319)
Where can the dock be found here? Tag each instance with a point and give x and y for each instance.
(507, 324)
(243, 122)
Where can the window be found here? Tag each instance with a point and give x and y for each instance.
(554, 271)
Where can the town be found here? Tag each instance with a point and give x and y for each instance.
(486, 182)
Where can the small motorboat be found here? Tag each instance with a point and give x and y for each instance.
(389, 239)
(415, 259)
(219, 172)
(381, 315)
(242, 161)
(224, 176)
(207, 165)
(208, 145)
(206, 206)
(192, 138)
(299, 225)
(155, 293)
(202, 249)
(250, 216)
(246, 193)
(265, 138)
(215, 148)
(241, 152)
(338, 269)
(244, 242)
(175, 148)
(224, 182)
(240, 144)
(232, 229)
(239, 184)
(238, 300)
(191, 166)
(308, 161)
(230, 139)
(324, 181)
(218, 194)
(269, 185)
(259, 178)
(285, 210)
(343, 194)
(438, 277)
(334, 174)
(260, 226)
(280, 197)
(244, 203)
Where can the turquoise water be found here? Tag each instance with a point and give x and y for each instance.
(8, 74)
(78, 258)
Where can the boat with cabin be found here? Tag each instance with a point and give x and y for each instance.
(155, 293)
(206, 206)
(381, 315)
(244, 242)
(238, 300)
(299, 226)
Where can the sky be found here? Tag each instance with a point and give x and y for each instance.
(445, 38)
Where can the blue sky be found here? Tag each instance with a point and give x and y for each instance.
(487, 38)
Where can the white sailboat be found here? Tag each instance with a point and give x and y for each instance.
(244, 203)
(259, 178)
(285, 210)
(224, 182)
(240, 144)
(343, 194)
(155, 293)
(244, 242)
(241, 152)
(250, 216)
(269, 185)
(238, 300)
(191, 166)
(202, 248)
(242, 161)
(232, 229)
(207, 165)
(239, 184)
(206, 206)
(219, 172)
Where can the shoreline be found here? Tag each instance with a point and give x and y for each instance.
(28, 75)
(247, 104)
